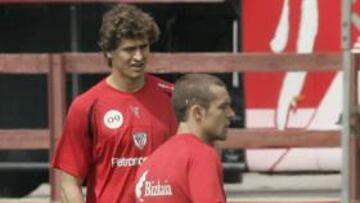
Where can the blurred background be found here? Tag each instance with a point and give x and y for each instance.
(277, 102)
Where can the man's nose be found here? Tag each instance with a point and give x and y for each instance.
(231, 114)
(138, 55)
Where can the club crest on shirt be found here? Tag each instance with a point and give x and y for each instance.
(113, 119)
(140, 139)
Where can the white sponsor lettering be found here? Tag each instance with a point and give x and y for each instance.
(166, 86)
(147, 188)
(155, 188)
(139, 185)
(127, 162)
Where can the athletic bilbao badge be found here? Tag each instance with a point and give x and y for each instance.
(140, 139)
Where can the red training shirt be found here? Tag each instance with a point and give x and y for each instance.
(183, 170)
(109, 133)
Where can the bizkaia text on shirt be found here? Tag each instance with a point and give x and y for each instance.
(157, 188)
(127, 162)
(151, 188)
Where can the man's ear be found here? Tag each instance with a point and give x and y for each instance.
(197, 112)
(108, 55)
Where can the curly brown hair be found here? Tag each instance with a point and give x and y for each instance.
(126, 22)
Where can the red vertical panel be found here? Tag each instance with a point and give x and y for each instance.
(260, 20)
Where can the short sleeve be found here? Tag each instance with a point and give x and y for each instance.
(205, 179)
(73, 153)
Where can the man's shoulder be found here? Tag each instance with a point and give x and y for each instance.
(160, 84)
(181, 143)
(87, 98)
(202, 150)
(191, 149)
(167, 148)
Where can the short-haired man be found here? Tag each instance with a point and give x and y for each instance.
(111, 129)
(186, 169)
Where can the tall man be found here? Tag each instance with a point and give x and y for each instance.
(186, 169)
(112, 128)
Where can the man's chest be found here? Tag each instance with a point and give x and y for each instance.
(129, 125)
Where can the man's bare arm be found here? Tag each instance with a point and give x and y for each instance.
(70, 188)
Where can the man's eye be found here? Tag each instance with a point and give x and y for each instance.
(144, 46)
(130, 49)
(223, 106)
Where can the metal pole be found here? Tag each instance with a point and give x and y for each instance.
(346, 67)
(74, 46)
(235, 75)
(15, 166)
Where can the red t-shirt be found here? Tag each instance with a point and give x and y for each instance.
(109, 133)
(183, 170)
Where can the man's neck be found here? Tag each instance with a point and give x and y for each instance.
(188, 128)
(125, 84)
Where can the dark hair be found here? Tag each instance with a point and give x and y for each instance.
(126, 21)
(193, 89)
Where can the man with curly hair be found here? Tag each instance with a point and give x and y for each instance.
(112, 128)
